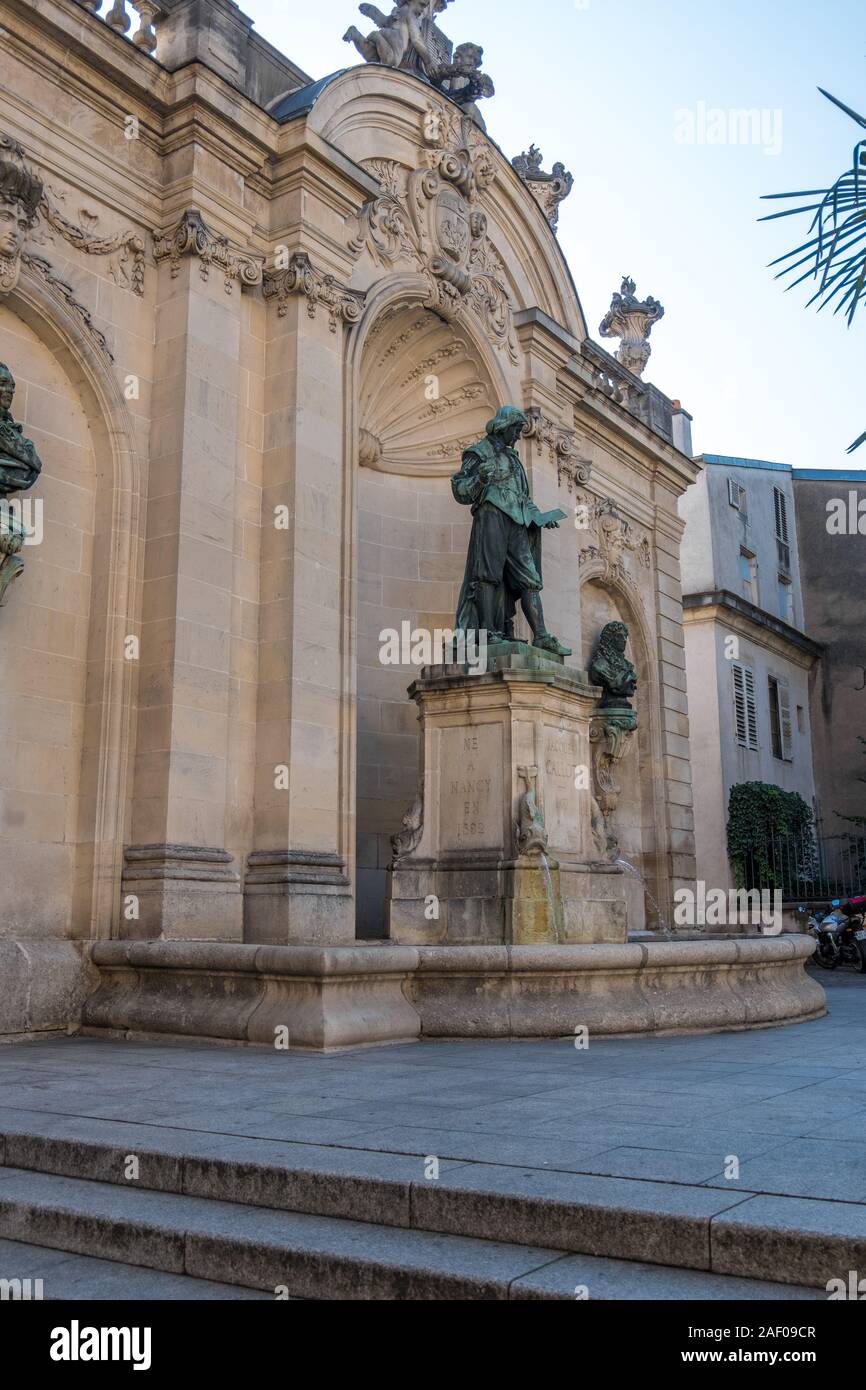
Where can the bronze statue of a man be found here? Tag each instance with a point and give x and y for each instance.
(20, 465)
(503, 567)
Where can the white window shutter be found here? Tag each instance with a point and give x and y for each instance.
(751, 707)
(745, 709)
(785, 721)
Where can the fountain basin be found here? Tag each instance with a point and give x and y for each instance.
(331, 997)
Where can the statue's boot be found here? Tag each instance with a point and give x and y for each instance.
(546, 642)
(541, 638)
(486, 604)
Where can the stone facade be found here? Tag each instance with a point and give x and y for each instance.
(253, 324)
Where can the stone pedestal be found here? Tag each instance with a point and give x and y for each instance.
(500, 850)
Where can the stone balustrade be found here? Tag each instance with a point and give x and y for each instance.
(640, 398)
(117, 16)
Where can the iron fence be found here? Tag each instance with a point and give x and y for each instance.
(810, 866)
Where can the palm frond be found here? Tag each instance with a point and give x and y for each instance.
(834, 255)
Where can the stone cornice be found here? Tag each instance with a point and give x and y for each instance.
(720, 605)
(633, 443)
(61, 39)
(193, 237)
(301, 277)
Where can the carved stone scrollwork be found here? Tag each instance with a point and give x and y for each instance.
(531, 832)
(301, 277)
(610, 735)
(548, 190)
(560, 443)
(125, 249)
(613, 538)
(28, 213)
(632, 321)
(39, 266)
(193, 237)
(12, 538)
(431, 219)
(409, 837)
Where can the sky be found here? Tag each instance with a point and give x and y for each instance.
(629, 95)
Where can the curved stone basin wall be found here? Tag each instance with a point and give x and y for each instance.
(347, 996)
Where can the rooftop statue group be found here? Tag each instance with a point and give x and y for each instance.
(410, 39)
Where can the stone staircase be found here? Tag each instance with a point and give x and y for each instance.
(210, 1216)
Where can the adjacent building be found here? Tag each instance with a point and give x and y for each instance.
(749, 657)
(774, 575)
(831, 538)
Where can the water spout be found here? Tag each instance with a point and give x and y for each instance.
(635, 873)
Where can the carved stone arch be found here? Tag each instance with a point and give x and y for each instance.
(381, 120)
(626, 604)
(395, 424)
(399, 509)
(115, 600)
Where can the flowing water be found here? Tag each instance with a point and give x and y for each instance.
(635, 873)
(548, 883)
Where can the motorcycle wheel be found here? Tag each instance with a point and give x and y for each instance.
(861, 948)
(828, 960)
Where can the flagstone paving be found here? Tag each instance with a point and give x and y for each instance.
(780, 1111)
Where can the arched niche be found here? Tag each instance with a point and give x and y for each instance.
(605, 598)
(406, 437)
(72, 395)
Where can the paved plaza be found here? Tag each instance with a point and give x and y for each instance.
(789, 1104)
(715, 1167)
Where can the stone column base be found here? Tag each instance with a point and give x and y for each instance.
(181, 893)
(297, 897)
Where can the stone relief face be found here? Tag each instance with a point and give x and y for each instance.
(13, 228)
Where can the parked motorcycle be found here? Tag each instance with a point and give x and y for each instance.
(841, 934)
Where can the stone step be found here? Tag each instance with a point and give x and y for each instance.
(724, 1231)
(83, 1278)
(203, 1245)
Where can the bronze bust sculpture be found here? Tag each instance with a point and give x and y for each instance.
(20, 466)
(611, 669)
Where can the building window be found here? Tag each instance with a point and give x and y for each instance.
(780, 720)
(801, 720)
(749, 575)
(786, 599)
(736, 495)
(783, 542)
(745, 708)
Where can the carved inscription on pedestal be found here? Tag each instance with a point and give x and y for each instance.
(471, 789)
(562, 798)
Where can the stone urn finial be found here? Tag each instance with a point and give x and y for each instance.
(631, 320)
